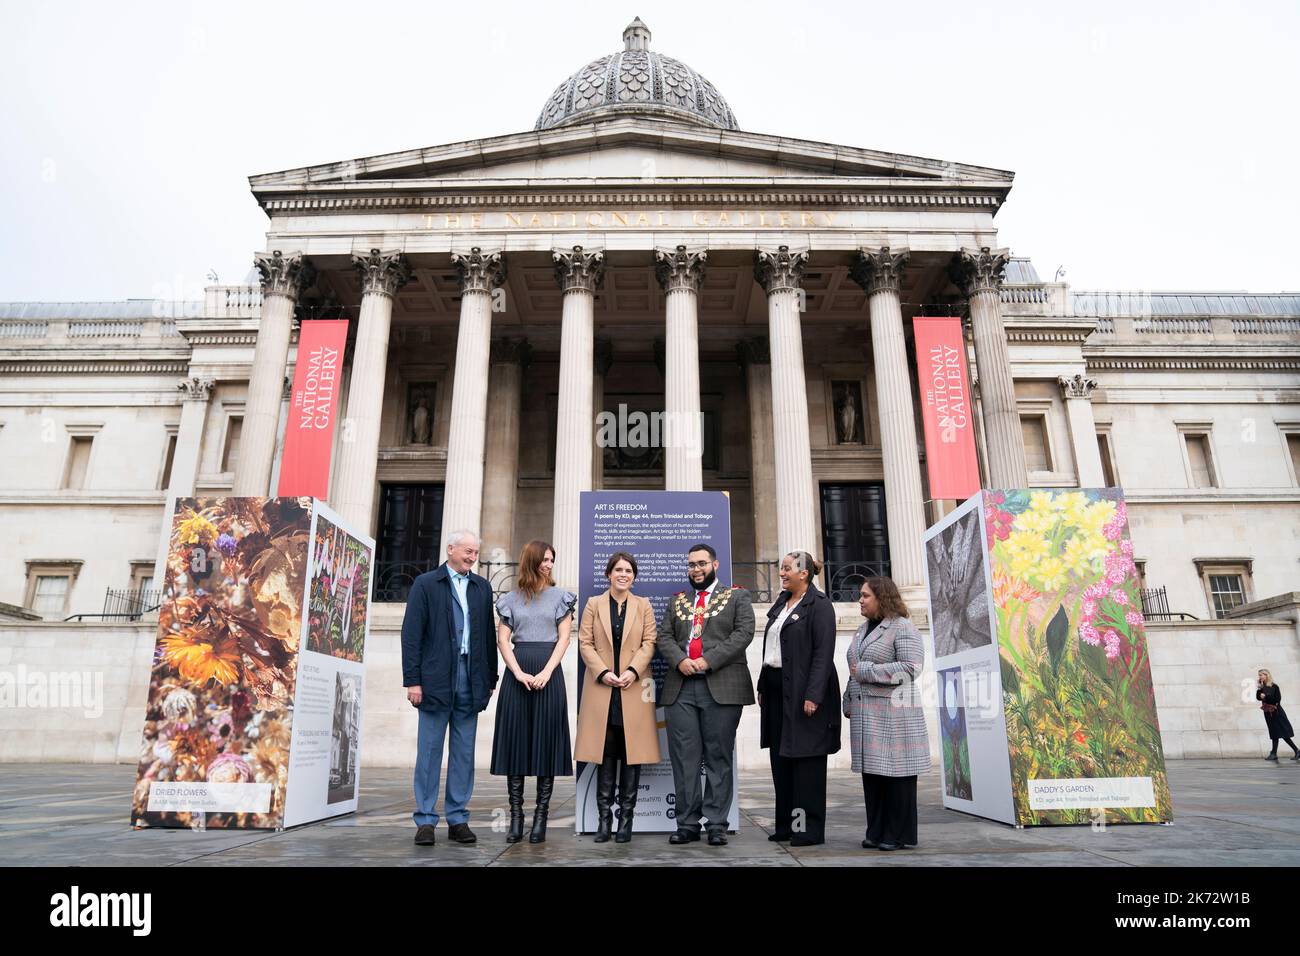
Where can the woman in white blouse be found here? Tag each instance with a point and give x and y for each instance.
(798, 697)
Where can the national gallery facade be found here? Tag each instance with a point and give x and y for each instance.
(638, 253)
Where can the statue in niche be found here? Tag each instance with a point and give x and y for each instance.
(420, 415)
(848, 413)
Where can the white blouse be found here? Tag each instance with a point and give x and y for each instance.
(772, 642)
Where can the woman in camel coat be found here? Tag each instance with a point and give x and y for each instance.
(616, 717)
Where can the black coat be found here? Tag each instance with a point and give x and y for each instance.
(431, 643)
(1279, 727)
(807, 673)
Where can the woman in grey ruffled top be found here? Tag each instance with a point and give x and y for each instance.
(532, 720)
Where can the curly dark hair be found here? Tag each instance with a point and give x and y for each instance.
(887, 596)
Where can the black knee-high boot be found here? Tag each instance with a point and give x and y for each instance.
(544, 787)
(515, 789)
(628, 783)
(606, 774)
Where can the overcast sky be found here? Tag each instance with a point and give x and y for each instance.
(1155, 145)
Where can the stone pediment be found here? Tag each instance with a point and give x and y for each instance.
(634, 151)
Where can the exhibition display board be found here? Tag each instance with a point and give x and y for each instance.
(1047, 712)
(657, 528)
(253, 717)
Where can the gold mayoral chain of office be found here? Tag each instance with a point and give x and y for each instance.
(685, 612)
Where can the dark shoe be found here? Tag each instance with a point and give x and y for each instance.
(887, 846)
(544, 787)
(461, 833)
(1297, 755)
(628, 783)
(1272, 757)
(684, 836)
(424, 835)
(717, 838)
(805, 841)
(515, 789)
(779, 837)
(869, 844)
(606, 774)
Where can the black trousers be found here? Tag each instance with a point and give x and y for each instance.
(891, 808)
(799, 782)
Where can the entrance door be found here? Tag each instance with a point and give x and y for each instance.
(855, 539)
(410, 537)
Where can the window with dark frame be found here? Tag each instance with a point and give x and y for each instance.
(1226, 591)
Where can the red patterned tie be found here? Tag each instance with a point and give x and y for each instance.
(696, 648)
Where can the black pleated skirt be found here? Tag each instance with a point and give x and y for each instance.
(532, 726)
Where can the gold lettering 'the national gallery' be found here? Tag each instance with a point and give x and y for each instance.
(633, 219)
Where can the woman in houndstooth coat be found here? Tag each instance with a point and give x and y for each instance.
(887, 725)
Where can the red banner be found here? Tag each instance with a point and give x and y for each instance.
(309, 432)
(946, 408)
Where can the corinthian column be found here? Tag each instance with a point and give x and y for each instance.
(680, 273)
(879, 273)
(1077, 391)
(579, 274)
(779, 273)
(756, 358)
(604, 361)
(382, 274)
(463, 497)
(509, 358)
(195, 393)
(978, 273)
(283, 278)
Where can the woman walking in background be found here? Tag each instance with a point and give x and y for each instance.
(890, 742)
(1269, 696)
(532, 726)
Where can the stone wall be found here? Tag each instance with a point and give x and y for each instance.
(96, 677)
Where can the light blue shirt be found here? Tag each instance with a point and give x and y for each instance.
(459, 583)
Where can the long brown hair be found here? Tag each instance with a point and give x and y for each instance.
(529, 580)
(887, 596)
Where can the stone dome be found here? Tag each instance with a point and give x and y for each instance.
(636, 81)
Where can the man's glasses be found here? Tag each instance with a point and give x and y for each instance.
(694, 565)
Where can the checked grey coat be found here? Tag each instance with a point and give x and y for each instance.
(728, 631)
(887, 725)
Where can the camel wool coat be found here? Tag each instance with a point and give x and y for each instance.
(596, 645)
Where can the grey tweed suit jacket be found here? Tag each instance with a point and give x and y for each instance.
(728, 631)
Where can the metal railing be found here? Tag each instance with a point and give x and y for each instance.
(499, 574)
(843, 579)
(759, 578)
(393, 579)
(1155, 606)
(124, 605)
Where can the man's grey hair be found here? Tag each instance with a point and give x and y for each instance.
(456, 537)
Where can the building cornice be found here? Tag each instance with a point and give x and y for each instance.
(63, 366)
(1049, 331)
(507, 195)
(1190, 357)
